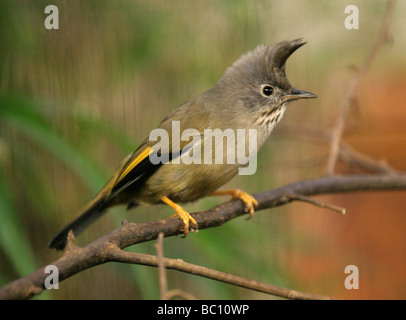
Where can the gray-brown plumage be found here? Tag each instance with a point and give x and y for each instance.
(252, 94)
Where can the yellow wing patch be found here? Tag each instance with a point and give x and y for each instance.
(131, 165)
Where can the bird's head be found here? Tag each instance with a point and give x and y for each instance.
(258, 78)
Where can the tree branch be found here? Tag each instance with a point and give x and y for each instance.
(349, 97)
(105, 249)
(178, 264)
(159, 246)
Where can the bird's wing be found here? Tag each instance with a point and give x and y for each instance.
(147, 159)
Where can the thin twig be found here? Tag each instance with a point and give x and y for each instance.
(346, 153)
(161, 267)
(317, 203)
(351, 91)
(349, 154)
(164, 294)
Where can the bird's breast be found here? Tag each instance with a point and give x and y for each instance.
(267, 120)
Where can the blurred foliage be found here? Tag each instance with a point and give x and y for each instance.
(75, 101)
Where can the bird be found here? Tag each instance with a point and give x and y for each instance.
(252, 94)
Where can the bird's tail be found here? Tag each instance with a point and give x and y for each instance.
(92, 211)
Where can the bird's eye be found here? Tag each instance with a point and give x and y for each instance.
(267, 90)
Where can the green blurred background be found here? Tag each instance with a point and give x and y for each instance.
(75, 101)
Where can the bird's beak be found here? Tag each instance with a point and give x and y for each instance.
(295, 94)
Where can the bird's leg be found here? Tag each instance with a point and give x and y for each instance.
(248, 199)
(181, 213)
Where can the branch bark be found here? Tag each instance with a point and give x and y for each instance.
(109, 247)
(180, 265)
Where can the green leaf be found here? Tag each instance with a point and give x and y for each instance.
(12, 238)
(24, 115)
